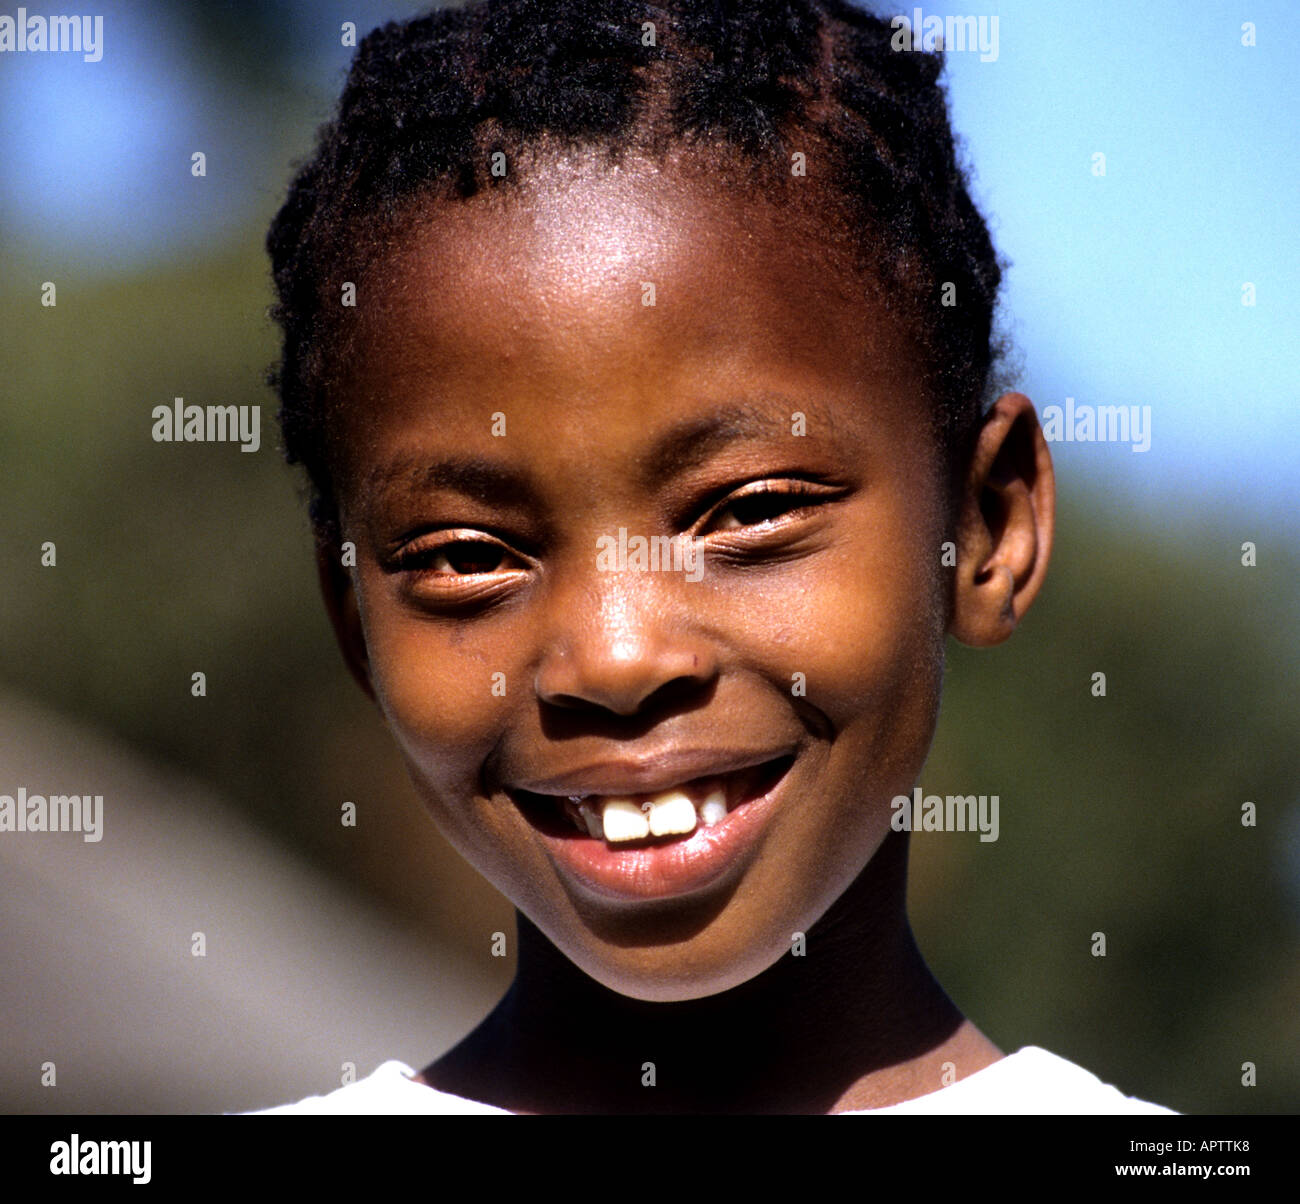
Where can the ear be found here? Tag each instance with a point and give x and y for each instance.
(1006, 517)
(345, 615)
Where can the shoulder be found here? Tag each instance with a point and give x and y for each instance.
(1029, 1082)
(390, 1090)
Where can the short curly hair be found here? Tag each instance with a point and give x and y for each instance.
(429, 101)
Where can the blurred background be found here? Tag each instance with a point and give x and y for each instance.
(329, 945)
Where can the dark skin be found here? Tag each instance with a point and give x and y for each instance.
(823, 558)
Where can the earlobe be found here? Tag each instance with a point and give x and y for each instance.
(1005, 524)
(340, 598)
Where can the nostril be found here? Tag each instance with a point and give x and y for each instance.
(567, 716)
(678, 693)
(624, 687)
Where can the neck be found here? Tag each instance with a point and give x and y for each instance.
(858, 1021)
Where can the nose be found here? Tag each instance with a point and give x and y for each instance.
(622, 644)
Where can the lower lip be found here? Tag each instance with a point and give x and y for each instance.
(675, 867)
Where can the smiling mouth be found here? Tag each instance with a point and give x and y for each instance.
(636, 820)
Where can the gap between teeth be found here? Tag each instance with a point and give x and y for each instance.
(671, 813)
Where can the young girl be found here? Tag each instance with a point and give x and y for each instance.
(639, 356)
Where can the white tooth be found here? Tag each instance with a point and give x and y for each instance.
(670, 813)
(591, 817)
(714, 808)
(622, 819)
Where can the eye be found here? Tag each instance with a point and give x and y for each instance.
(463, 556)
(467, 556)
(765, 503)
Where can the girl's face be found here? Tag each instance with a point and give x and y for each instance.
(640, 351)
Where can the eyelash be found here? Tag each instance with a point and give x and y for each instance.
(417, 559)
(767, 491)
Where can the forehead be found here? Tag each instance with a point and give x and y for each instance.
(618, 291)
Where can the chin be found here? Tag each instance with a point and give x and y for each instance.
(674, 971)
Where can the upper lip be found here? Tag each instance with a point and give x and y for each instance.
(648, 775)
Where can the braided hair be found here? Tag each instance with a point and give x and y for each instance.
(429, 102)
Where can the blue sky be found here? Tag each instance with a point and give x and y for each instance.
(1125, 289)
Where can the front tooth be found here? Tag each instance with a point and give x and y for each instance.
(622, 819)
(671, 813)
(714, 808)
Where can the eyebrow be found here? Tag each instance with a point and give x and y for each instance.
(484, 480)
(688, 444)
(682, 447)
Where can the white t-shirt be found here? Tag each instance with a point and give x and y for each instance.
(1029, 1082)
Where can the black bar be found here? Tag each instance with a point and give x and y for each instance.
(673, 1154)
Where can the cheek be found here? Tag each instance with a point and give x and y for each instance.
(443, 687)
(858, 627)
(883, 612)
(883, 653)
(436, 685)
